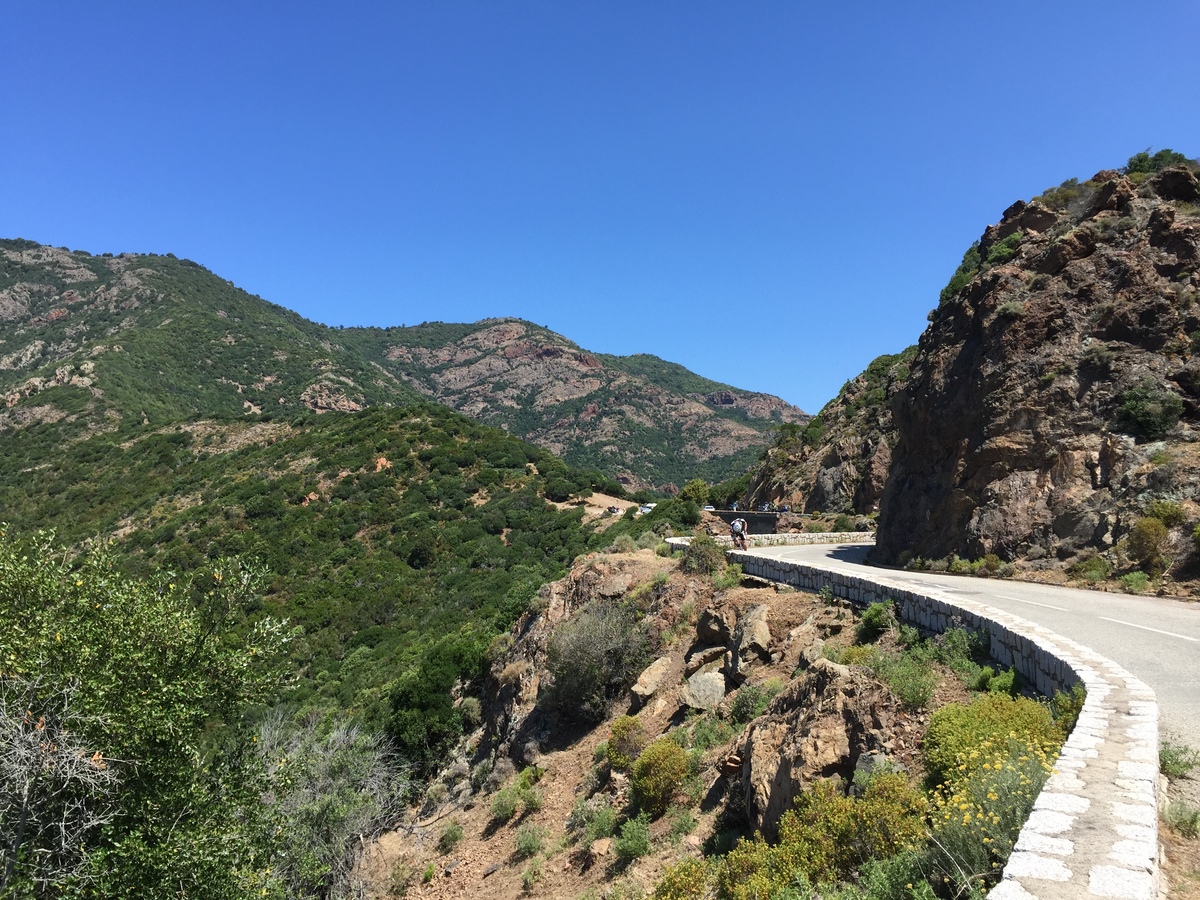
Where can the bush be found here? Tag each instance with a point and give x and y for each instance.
(1013, 309)
(684, 880)
(751, 700)
(1146, 539)
(593, 658)
(648, 541)
(1176, 760)
(956, 729)
(1168, 512)
(634, 840)
(703, 556)
(909, 675)
(731, 577)
(450, 836)
(1135, 582)
(1148, 411)
(843, 523)
(1196, 538)
(876, 619)
(963, 274)
(978, 814)
(826, 837)
(1004, 250)
(1144, 162)
(658, 775)
(622, 543)
(626, 742)
(531, 840)
(1090, 568)
(1181, 817)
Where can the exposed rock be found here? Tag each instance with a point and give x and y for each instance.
(651, 679)
(701, 658)
(817, 728)
(715, 626)
(1010, 436)
(705, 690)
(751, 643)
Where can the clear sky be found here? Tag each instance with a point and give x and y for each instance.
(770, 193)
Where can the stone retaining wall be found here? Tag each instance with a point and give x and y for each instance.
(1094, 827)
(787, 539)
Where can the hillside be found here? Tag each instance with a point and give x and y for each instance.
(88, 342)
(839, 462)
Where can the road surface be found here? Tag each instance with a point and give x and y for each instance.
(1155, 638)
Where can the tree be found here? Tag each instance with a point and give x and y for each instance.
(149, 677)
(696, 491)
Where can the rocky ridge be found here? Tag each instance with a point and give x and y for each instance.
(1055, 395)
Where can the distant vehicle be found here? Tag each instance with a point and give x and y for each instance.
(709, 508)
(645, 508)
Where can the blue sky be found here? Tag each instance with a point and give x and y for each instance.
(769, 193)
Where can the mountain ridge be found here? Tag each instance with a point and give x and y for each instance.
(98, 336)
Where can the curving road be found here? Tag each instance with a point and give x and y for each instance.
(1155, 638)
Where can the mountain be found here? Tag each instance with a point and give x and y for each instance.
(89, 341)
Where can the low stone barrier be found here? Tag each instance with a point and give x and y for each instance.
(1094, 827)
(784, 540)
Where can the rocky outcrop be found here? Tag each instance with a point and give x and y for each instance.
(1055, 395)
(820, 727)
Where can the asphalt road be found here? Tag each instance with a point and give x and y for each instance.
(1155, 638)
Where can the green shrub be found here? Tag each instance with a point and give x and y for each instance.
(826, 837)
(955, 729)
(1148, 411)
(505, 803)
(708, 732)
(1090, 568)
(531, 876)
(634, 840)
(622, 543)
(1176, 760)
(648, 540)
(909, 675)
(1181, 817)
(1196, 538)
(687, 879)
(1004, 250)
(658, 775)
(843, 523)
(626, 742)
(731, 577)
(1065, 707)
(703, 556)
(963, 274)
(1146, 539)
(1144, 162)
(1168, 512)
(876, 619)
(1012, 309)
(751, 699)
(593, 658)
(531, 840)
(450, 836)
(1135, 582)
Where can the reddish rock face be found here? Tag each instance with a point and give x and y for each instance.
(1018, 431)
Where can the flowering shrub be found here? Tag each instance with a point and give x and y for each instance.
(956, 729)
(978, 812)
(658, 775)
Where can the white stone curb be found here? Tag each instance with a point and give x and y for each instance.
(1094, 827)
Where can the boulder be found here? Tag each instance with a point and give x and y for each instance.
(704, 690)
(701, 658)
(818, 728)
(715, 626)
(751, 643)
(651, 679)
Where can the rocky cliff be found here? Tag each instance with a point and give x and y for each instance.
(1054, 397)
